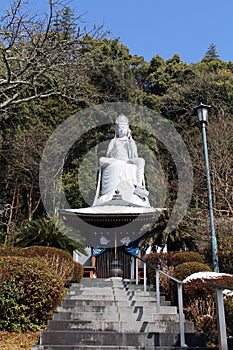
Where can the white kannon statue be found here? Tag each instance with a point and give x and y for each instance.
(121, 170)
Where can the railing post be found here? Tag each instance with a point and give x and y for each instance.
(222, 335)
(221, 320)
(132, 268)
(136, 271)
(144, 275)
(180, 302)
(181, 314)
(157, 290)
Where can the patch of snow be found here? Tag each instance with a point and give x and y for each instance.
(205, 275)
(206, 316)
(228, 292)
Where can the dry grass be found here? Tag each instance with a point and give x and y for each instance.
(18, 341)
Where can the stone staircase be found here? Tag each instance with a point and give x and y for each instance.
(113, 314)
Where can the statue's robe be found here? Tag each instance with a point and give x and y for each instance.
(122, 170)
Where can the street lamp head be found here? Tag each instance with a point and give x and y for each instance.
(202, 112)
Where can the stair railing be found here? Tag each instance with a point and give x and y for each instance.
(222, 334)
(180, 301)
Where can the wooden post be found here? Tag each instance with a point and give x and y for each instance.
(93, 261)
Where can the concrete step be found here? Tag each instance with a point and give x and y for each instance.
(111, 347)
(90, 290)
(96, 297)
(90, 302)
(138, 316)
(67, 325)
(88, 347)
(141, 293)
(162, 326)
(112, 303)
(113, 310)
(88, 316)
(108, 338)
(114, 297)
(95, 285)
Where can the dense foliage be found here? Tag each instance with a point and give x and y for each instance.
(198, 296)
(182, 257)
(26, 282)
(163, 261)
(61, 70)
(49, 233)
(200, 304)
(78, 272)
(55, 69)
(56, 259)
(186, 269)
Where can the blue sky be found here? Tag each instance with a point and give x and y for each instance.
(163, 27)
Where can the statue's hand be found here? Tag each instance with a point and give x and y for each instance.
(130, 161)
(104, 161)
(123, 159)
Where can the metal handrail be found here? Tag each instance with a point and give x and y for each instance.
(180, 301)
(220, 314)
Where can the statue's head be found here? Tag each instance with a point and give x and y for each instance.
(122, 120)
(122, 126)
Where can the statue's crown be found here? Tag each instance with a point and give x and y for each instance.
(122, 119)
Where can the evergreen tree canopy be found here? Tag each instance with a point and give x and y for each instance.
(55, 68)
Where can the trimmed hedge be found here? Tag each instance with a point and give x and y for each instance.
(78, 272)
(182, 257)
(186, 269)
(29, 293)
(57, 259)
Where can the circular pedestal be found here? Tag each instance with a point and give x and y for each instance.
(108, 226)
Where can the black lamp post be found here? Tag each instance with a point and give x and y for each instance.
(202, 112)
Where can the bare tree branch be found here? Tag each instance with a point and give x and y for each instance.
(35, 52)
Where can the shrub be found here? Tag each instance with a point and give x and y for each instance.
(186, 269)
(199, 301)
(78, 272)
(9, 251)
(57, 259)
(228, 305)
(202, 312)
(29, 293)
(162, 260)
(166, 285)
(196, 285)
(226, 261)
(48, 231)
(182, 257)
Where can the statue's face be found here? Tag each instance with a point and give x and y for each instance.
(122, 130)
